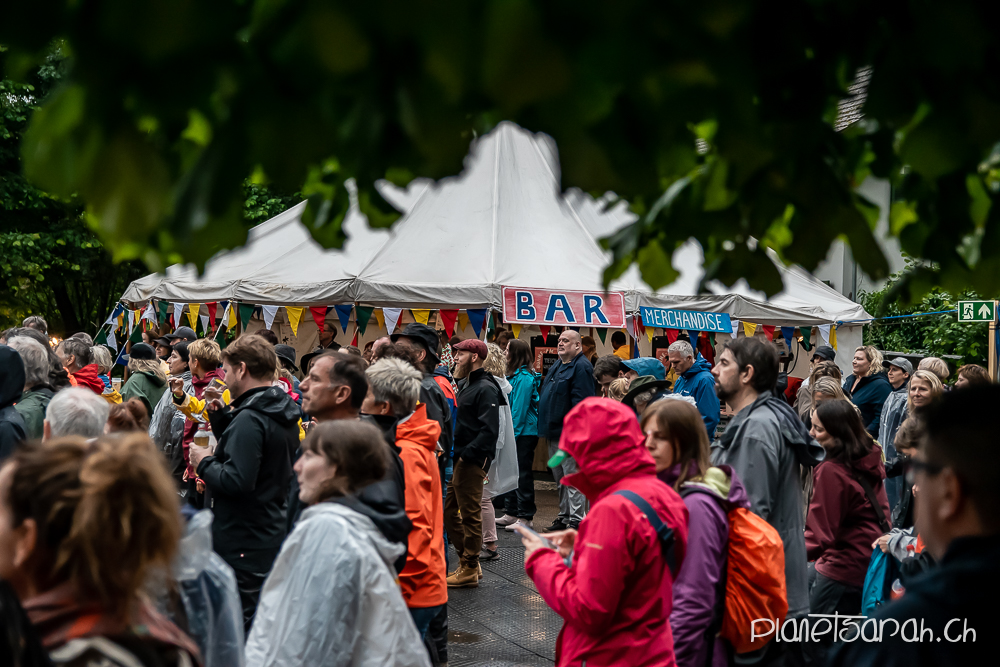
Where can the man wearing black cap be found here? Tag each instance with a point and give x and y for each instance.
(422, 342)
(182, 333)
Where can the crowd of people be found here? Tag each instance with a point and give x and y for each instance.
(690, 492)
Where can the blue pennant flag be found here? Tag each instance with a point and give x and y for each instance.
(344, 315)
(477, 316)
(787, 333)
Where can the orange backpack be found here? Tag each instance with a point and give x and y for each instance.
(754, 581)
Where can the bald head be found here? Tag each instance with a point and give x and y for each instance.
(569, 346)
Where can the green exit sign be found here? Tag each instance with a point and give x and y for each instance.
(976, 311)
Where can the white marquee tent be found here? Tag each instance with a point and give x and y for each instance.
(501, 222)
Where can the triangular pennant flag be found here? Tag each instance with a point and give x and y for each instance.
(102, 337)
(603, 335)
(806, 337)
(650, 332)
(545, 333)
(630, 325)
(824, 333)
(711, 339)
(421, 315)
(178, 309)
(149, 313)
(131, 320)
(693, 335)
(319, 317)
(787, 333)
(448, 318)
(270, 312)
(204, 323)
(516, 330)
(212, 308)
(112, 343)
(354, 341)
(136, 335)
(768, 331)
(246, 312)
(193, 314)
(477, 317)
(491, 326)
(161, 316)
(121, 320)
(672, 335)
(115, 312)
(749, 329)
(736, 328)
(391, 318)
(121, 357)
(344, 315)
(462, 321)
(294, 317)
(833, 336)
(380, 318)
(361, 316)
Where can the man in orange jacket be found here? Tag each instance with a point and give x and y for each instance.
(393, 390)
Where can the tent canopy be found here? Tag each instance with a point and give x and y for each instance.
(502, 221)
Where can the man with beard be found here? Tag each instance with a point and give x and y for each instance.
(765, 442)
(476, 433)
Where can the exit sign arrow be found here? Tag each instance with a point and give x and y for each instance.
(984, 311)
(976, 311)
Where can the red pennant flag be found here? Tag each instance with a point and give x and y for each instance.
(768, 331)
(707, 349)
(448, 318)
(319, 316)
(545, 332)
(212, 307)
(672, 335)
(355, 341)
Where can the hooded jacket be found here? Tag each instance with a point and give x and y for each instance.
(423, 578)
(89, 377)
(869, 396)
(842, 524)
(248, 476)
(332, 600)
(524, 401)
(564, 386)
(964, 585)
(147, 387)
(478, 427)
(893, 414)
(698, 383)
(12, 430)
(696, 590)
(616, 596)
(32, 408)
(650, 366)
(765, 443)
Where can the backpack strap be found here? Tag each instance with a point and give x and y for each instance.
(663, 532)
(882, 521)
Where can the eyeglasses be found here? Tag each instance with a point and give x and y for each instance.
(912, 466)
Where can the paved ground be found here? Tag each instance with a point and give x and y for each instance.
(504, 621)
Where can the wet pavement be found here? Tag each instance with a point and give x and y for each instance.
(505, 621)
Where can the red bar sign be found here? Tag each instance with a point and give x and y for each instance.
(523, 305)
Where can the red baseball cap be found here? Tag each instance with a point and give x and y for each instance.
(473, 345)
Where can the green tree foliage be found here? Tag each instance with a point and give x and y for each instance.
(934, 335)
(51, 263)
(715, 120)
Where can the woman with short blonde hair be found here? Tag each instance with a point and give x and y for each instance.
(868, 386)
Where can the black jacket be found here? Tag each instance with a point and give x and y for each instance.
(478, 425)
(964, 586)
(564, 386)
(249, 476)
(438, 410)
(12, 431)
(869, 396)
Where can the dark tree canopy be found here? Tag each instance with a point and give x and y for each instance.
(715, 120)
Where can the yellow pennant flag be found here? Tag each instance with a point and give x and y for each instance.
(294, 316)
(749, 328)
(231, 321)
(463, 321)
(833, 336)
(421, 315)
(193, 314)
(650, 332)
(380, 318)
(516, 330)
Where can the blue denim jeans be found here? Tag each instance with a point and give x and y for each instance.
(423, 616)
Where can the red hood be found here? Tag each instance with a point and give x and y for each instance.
(604, 438)
(418, 429)
(87, 377)
(870, 465)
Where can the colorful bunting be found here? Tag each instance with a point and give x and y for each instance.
(672, 335)
(448, 318)
(545, 333)
(787, 333)
(344, 315)
(212, 308)
(421, 315)
(602, 333)
(246, 312)
(736, 328)
(319, 317)
(361, 316)
(516, 330)
(270, 312)
(149, 313)
(462, 322)
(749, 329)
(391, 318)
(477, 317)
(102, 337)
(113, 317)
(135, 336)
(178, 309)
(193, 314)
(833, 336)
(693, 336)
(112, 343)
(204, 324)
(806, 337)
(294, 317)
(768, 331)
(380, 318)
(650, 332)
(824, 333)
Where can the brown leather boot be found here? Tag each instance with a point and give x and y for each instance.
(465, 577)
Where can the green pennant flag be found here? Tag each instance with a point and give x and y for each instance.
(136, 336)
(161, 315)
(246, 310)
(491, 327)
(602, 334)
(363, 314)
(806, 335)
(222, 338)
(102, 337)
(711, 339)
(199, 330)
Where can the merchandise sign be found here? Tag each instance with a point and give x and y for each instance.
(668, 318)
(976, 311)
(562, 308)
